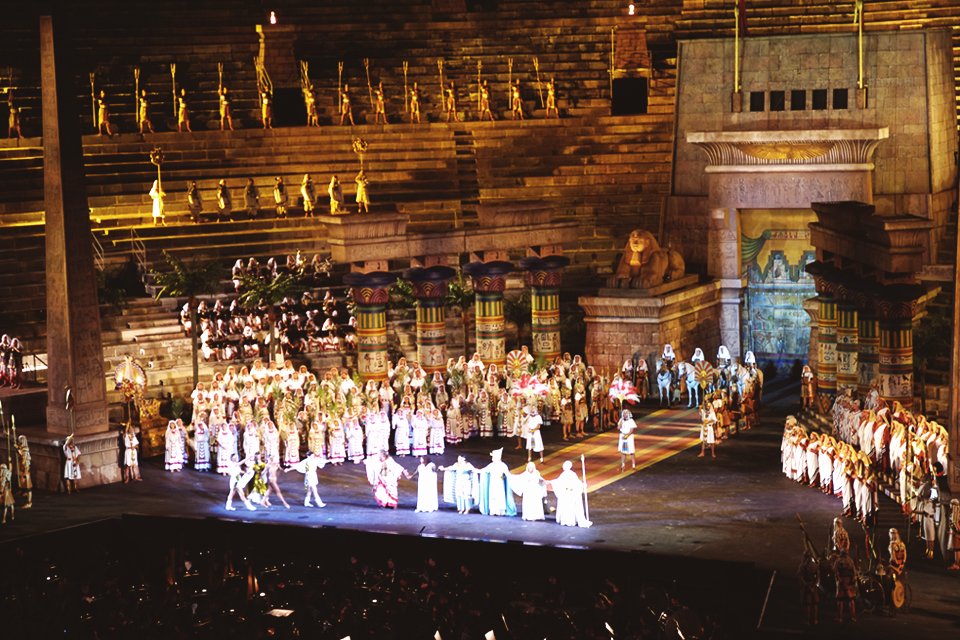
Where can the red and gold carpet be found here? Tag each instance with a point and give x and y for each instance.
(660, 435)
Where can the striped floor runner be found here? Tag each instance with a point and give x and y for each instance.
(660, 435)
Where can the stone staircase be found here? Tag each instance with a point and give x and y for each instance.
(608, 173)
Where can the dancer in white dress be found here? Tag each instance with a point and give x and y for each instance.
(309, 467)
(437, 431)
(427, 486)
(201, 447)
(238, 480)
(173, 455)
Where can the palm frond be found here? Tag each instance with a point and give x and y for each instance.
(189, 279)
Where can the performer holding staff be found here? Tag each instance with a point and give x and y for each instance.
(415, 103)
(71, 467)
(708, 430)
(23, 469)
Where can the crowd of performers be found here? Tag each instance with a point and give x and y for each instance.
(229, 331)
(728, 393)
(254, 421)
(696, 378)
(11, 362)
(875, 446)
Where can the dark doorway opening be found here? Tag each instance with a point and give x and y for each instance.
(288, 108)
(629, 96)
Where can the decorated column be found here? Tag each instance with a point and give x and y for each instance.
(544, 276)
(847, 342)
(868, 359)
(370, 294)
(489, 281)
(827, 341)
(896, 352)
(430, 290)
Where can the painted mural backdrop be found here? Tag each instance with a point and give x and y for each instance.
(775, 247)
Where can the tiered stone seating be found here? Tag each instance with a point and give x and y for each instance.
(572, 43)
(117, 36)
(608, 173)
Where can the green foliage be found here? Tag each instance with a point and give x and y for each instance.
(459, 293)
(109, 291)
(190, 279)
(931, 340)
(269, 290)
(401, 295)
(573, 329)
(518, 311)
(177, 406)
(116, 284)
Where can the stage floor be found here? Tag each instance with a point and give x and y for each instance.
(735, 508)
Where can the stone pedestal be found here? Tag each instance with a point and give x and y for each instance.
(430, 290)
(369, 291)
(621, 323)
(544, 276)
(100, 457)
(489, 281)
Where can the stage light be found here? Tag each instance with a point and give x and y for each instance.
(631, 9)
(273, 17)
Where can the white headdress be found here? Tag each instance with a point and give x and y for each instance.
(497, 454)
(668, 353)
(723, 353)
(749, 358)
(697, 355)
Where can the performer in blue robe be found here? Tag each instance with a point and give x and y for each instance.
(496, 497)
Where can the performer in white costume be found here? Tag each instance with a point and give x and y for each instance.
(570, 490)
(460, 485)
(238, 480)
(625, 444)
(309, 467)
(427, 486)
(531, 486)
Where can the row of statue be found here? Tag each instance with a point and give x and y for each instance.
(452, 111)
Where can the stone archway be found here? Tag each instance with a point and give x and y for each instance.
(780, 173)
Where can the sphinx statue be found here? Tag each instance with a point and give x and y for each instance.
(645, 265)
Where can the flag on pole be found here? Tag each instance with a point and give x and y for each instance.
(857, 11)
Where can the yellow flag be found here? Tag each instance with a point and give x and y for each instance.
(857, 11)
